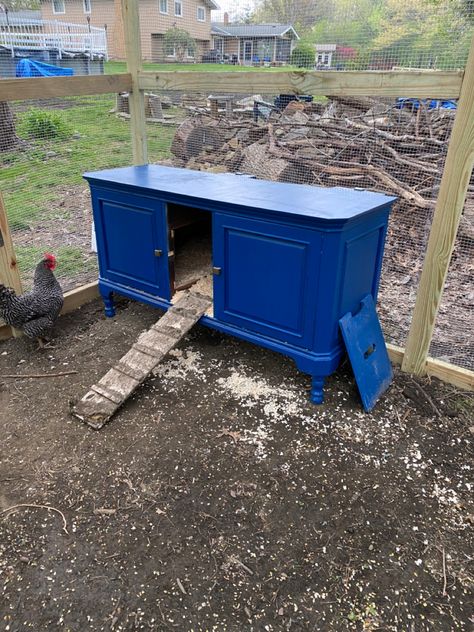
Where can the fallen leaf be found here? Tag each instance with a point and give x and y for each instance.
(227, 432)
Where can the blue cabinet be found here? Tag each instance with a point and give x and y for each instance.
(132, 235)
(267, 277)
(287, 260)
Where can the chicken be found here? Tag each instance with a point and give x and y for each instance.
(34, 312)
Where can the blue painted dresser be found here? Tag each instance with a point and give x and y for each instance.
(288, 260)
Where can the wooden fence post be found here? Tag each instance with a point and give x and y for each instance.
(131, 25)
(448, 211)
(9, 274)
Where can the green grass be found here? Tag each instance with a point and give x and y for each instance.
(71, 259)
(35, 176)
(113, 67)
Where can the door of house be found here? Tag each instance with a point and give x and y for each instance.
(248, 52)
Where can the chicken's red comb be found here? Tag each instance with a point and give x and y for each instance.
(50, 257)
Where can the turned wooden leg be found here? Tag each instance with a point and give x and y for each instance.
(317, 385)
(109, 304)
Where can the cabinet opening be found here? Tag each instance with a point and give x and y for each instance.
(190, 249)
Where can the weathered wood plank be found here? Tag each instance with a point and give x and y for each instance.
(80, 296)
(448, 211)
(48, 87)
(9, 273)
(136, 101)
(395, 354)
(421, 84)
(451, 374)
(444, 371)
(105, 397)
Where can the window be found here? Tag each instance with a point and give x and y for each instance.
(170, 50)
(58, 6)
(201, 14)
(163, 6)
(324, 59)
(87, 6)
(178, 8)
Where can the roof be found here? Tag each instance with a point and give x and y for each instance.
(251, 30)
(212, 5)
(199, 188)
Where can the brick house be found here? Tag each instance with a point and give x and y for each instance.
(156, 17)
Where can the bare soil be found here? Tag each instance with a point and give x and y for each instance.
(220, 498)
(68, 223)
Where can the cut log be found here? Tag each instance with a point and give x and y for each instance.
(155, 107)
(298, 172)
(257, 161)
(121, 103)
(193, 136)
(358, 104)
(105, 397)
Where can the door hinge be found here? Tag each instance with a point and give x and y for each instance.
(158, 253)
(216, 271)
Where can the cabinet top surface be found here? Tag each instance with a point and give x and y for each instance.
(336, 203)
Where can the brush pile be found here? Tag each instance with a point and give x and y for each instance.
(358, 143)
(344, 142)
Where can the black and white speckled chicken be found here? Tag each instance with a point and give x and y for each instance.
(34, 312)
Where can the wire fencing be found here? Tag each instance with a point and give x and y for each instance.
(397, 146)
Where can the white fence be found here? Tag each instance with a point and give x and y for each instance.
(52, 34)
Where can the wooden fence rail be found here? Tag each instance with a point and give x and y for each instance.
(421, 84)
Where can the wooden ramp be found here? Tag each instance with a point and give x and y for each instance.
(105, 397)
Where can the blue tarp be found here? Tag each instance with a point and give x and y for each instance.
(30, 68)
(430, 104)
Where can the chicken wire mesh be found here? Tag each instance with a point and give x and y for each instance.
(452, 337)
(391, 145)
(50, 144)
(361, 142)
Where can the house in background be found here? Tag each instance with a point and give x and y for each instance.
(156, 17)
(25, 35)
(333, 55)
(254, 43)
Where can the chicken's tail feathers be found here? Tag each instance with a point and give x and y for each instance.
(5, 289)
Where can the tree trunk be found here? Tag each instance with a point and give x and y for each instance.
(8, 137)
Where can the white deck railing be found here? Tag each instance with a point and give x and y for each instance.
(52, 34)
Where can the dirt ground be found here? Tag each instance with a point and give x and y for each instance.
(220, 498)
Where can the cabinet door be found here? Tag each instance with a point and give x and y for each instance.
(268, 277)
(132, 241)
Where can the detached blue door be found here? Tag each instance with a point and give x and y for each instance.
(267, 277)
(132, 241)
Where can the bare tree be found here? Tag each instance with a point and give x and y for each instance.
(8, 137)
(301, 13)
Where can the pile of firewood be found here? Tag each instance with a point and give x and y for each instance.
(346, 141)
(354, 142)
